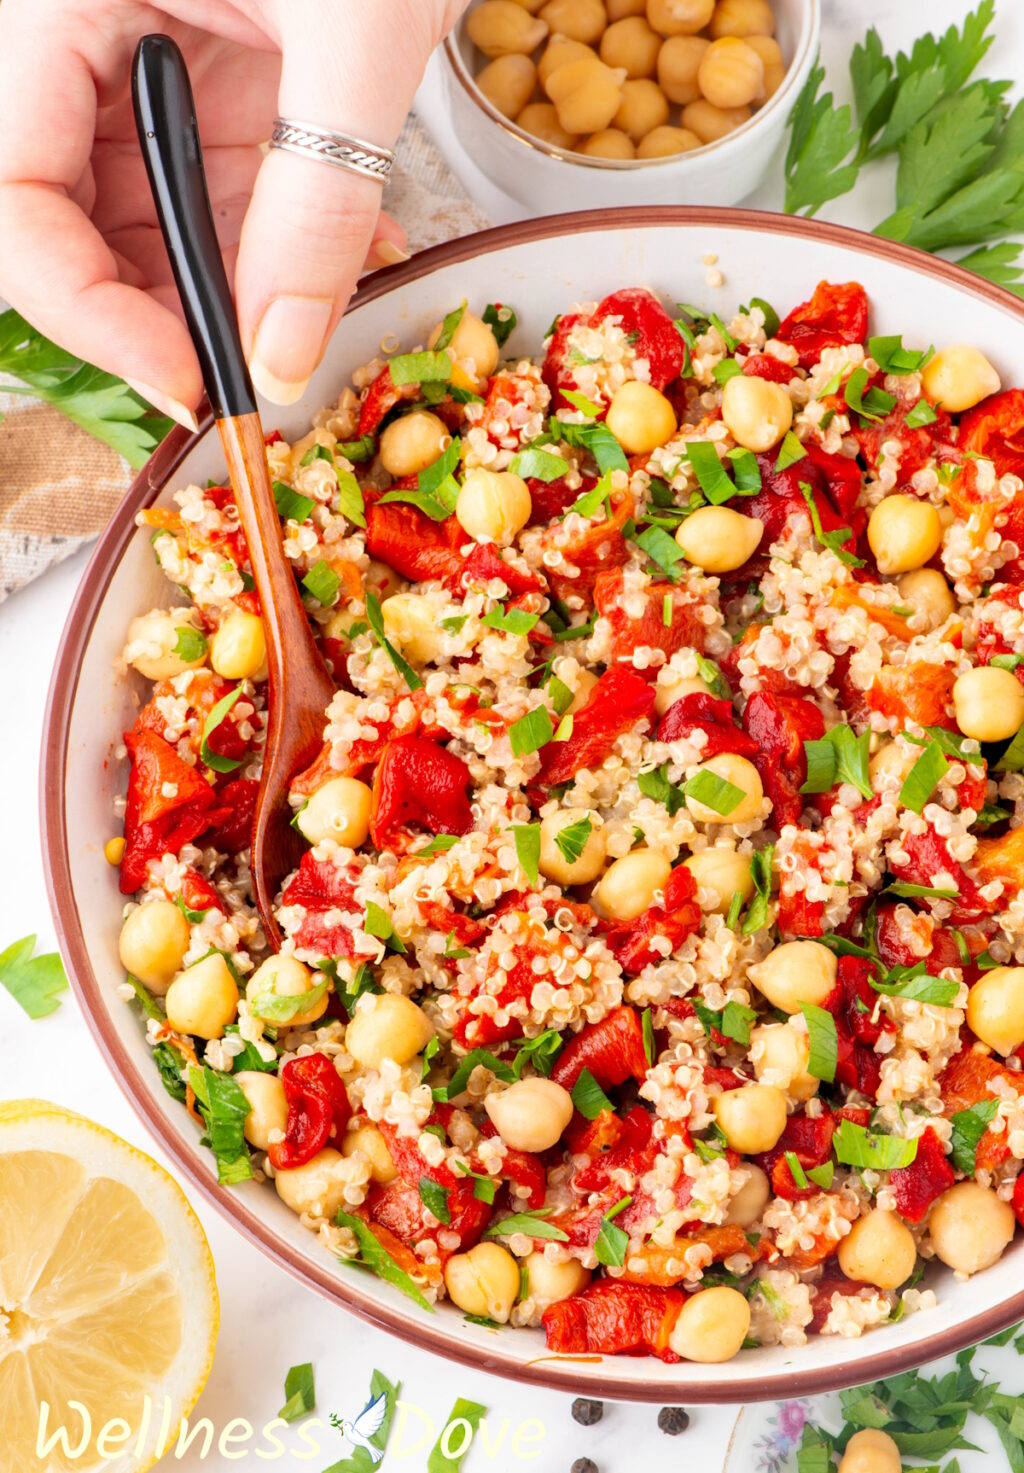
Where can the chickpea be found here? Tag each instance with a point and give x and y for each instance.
(553, 862)
(203, 999)
(711, 123)
(473, 349)
(409, 623)
(408, 445)
(531, 5)
(643, 108)
(888, 767)
(238, 649)
(283, 976)
(381, 580)
(549, 1281)
(995, 1008)
(541, 120)
(367, 1141)
(718, 539)
(752, 1117)
(586, 94)
(631, 44)
(498, 27)
(794, 973)
(316, 1189)
(610, 143)
(484, 1281)
(672, 686)
(959, 377)
(619, 9)
(743, 775)
(770, 52)
(989, 703)
(153, 943)
(531, 1114)
(559, 51)
(903, 533)
(870, 1451)
(640, 417)
(751, 1199)
(927, 592)
(679, 17)
(387, 1025)
(742, 18)
(629, 885)
(780, 1055)
(731, 73)
(340, 810)
(508, 82)
(580, 20)
(493, 506)
(268, 1108)
(721, 872)
(663, 143)
(153, 639)
(678, 63)
(756, 412)
(712, 1326)
(969, 1227)
(879, 1249)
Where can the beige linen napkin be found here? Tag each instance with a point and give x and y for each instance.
(58, 486)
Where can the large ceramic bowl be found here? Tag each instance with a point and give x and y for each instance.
(543, 177)
(539, 267)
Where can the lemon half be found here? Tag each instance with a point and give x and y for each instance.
(107, 1295)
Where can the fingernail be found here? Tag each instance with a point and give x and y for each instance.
(174, 408)
(386, 253)
(288, 345)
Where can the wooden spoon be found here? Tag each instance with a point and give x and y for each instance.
(300, 687)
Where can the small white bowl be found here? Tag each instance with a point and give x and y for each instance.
(549, 179)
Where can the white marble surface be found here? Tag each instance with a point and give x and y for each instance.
(269, 1321)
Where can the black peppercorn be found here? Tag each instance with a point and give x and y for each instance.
(587, 1412)
(584, 1465)
(673, 1420)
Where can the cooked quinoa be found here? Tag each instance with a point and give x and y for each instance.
(654, 973)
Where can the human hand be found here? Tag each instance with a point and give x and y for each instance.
(82, 257)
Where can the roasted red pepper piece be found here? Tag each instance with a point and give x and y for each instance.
(809, 1139)
(916, 1186)
(634, 1136)
(414, 545)
(619, 701)
(169, 804)
(917, 691)
(631, 941)
(781, 499)
(894, 946)
(318, 1108)
(322, 887)
(381, 398)
(1017, 1200)
(798, 916)
(653, 333)
(967, 1080)
(821, 1298)
(613, 1051)
(684, 629)
(700, 712)
(994, 429)
(608, 1318)
(917, 446)
(235, 831)
(928, 857)
(485, 563)
(419, 782)
(843, 477)
(765, 365)
(197, 893)
(834, 316)
(400, 1207)
(780, 725)
(550, 499)
(595, 550)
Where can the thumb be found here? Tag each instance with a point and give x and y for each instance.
(310, 223)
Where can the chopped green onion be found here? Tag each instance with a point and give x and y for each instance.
(712, 477)
(323, 583)
(448, 327)
(921, 414)
(923, 778)
(715, 792)
(420, 368)
(611, 1242)
(531, 732)
(213, 760)
(855, 1145)
(534, 464)
(510, 621)
(527, 839)
(375, 619)
(821, 1029)
(588, 1096)
(790, 451)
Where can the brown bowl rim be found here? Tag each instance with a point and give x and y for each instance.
(553, 1373)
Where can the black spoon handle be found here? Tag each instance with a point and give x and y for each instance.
(165, 116)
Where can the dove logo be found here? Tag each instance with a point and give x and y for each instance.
(366, 1425)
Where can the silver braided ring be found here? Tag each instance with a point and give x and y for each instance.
(341, 149)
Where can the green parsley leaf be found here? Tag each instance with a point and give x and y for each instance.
(581, 403)
(712, 476)
(35, 983)
(874, 405)
(725, 369)
(444, 1094)
(531, 732)
(761, 869)
(559, 694)
(968, 1127)
(736, 1021)
(1012, 759)
(375, 619)
(834, 540)
(510, 621)
(378, 923)
(463, 1414)
(171, 1065)
(588, 1096)
(661, 549)
(572, 840)
(527, 837)
(598, 440)
(790, 451)
(485, 1188)
(715, 792)
(435, 1199)
(501, 320)
(921, 414)
(379, 1261)
(531, 1223)
(323, 583)
(534, 464)
(822, 1176)
(212, 759)
(821, 1029)
(224, 1109)
(1006, 662)
(439, 844)
(420, 368)
(772, 321)
(818, 165)
(448, 326)
(655, 784)
(855, 1145)
(611, 1242)
(300, 1393)
(541, 1052)
(357, 451)
(923, 778)
(914, 984)
(746, 471)
(892, 357)
(190, 644)
(273, 1008)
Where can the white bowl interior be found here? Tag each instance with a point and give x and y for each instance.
(538, 278)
